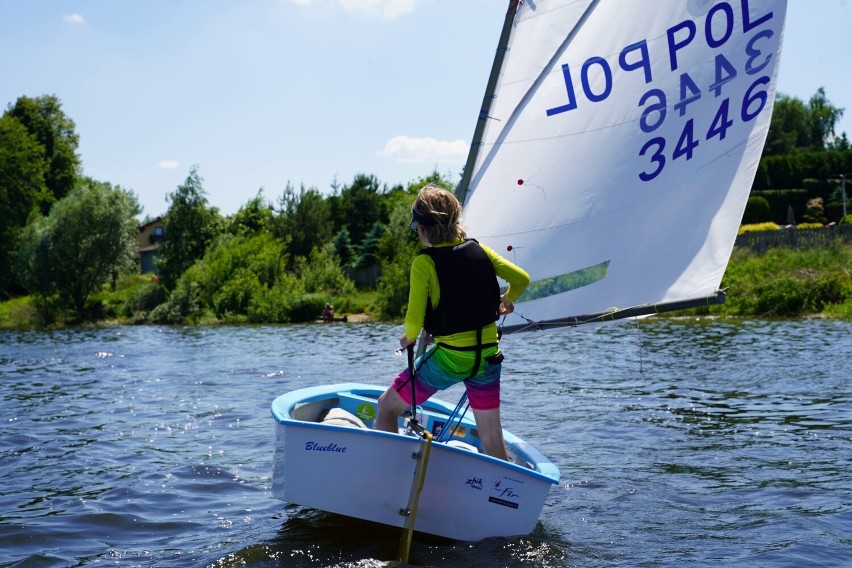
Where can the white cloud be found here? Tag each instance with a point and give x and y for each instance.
(168, 164)
(74, 18)
(406, 149)
(302, 2)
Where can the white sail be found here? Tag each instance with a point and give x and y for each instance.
(620, 147)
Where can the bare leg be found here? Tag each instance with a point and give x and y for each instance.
(491, 432)
(389, 408)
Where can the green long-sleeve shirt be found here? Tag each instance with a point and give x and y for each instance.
(424, 285)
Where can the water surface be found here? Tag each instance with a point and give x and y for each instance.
(680, 443)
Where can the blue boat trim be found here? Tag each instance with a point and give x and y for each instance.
(283, 406)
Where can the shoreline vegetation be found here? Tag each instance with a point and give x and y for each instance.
(74, 254)
(779, 283)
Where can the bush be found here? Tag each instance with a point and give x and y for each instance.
(757, 228)
(780, 297)
(144, 299)
(788, 283)
(184, 302)
(834, 211)
(815, 212)
(322, 274)
(273, 305)
(757, 211)
(235, 294)
(393, 290)
(307, 308)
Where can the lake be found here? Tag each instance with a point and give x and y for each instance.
(680, 443)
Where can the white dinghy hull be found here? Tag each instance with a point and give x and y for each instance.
(368, 474)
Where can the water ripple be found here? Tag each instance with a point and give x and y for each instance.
(680, 443)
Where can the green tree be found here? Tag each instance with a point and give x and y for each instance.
(88, 238)
(788, 128)
(343, 247)
(54, 131)
(189, 226)
(799, 126)
(22, 190)
(33, 267)
(398, 246)
(823, 117)
(360, 207)
(841, 143)
(369, 247)
(256, 216)
(396, 249)
(304, 218)
(321, 274)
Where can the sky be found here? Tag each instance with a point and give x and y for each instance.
(260, 93)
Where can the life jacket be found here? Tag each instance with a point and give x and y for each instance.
(470, 294)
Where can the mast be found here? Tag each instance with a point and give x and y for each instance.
(462, 187)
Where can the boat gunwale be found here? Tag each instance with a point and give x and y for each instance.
(283, 406)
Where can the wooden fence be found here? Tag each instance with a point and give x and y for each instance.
(791, 237)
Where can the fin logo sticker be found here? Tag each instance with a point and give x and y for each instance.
(506, 491)
(366, 412)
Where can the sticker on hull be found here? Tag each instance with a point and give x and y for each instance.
(506, 491)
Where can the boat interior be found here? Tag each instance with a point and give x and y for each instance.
(357, 410)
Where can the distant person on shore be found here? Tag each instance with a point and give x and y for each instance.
(328, 313)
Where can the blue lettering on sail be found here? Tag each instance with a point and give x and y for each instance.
(332, 447)
(597, 82)
(636, 56)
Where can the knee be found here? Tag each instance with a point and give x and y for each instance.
(389, 405)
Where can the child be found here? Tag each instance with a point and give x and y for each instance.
(456, 298)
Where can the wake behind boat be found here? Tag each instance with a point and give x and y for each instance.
(328, 458)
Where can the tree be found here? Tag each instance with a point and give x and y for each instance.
(88, 238)
(343, 247)
(189, 226)
(253, 217)
(841, 143)
(361, 207)
(799, 126)
(823, 116)
(369, 247)
(304, 218)
(788, 128)
(396, 249)
(54, 131)
(22, 190)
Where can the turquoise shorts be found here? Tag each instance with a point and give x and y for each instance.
(442, 368)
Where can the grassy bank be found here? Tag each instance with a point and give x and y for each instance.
(788, 283)
(778, 283)
(133, 298)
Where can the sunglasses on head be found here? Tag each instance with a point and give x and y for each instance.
(419, 219)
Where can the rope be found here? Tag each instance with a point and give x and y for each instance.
(448, 429)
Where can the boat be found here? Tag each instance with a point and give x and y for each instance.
(612, 159)
(327, 458)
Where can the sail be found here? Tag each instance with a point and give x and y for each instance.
(619, 148)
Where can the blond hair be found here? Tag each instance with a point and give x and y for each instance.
(444, 212)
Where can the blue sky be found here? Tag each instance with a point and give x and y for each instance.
(257, 93)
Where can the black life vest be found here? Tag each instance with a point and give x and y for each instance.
(470, 294)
